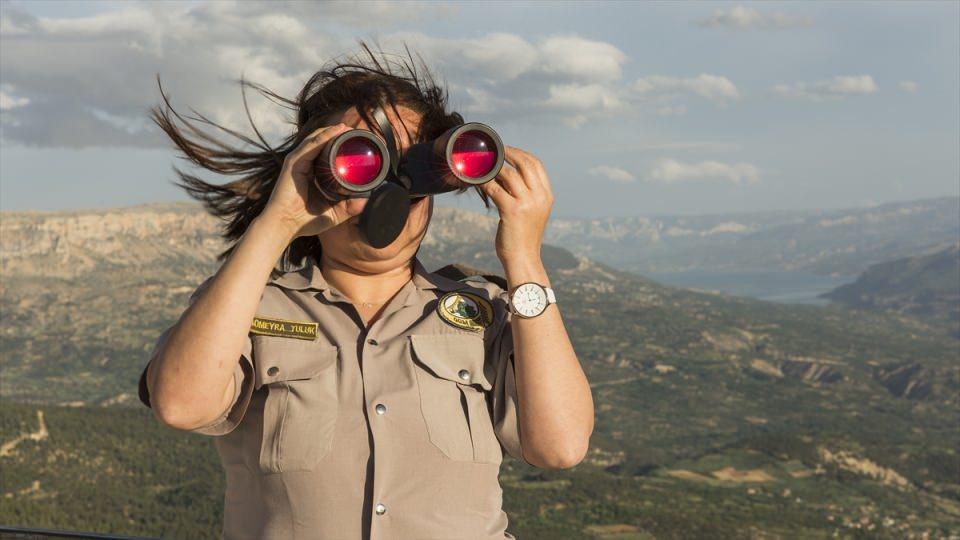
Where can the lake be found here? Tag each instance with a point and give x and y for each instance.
(770, 285)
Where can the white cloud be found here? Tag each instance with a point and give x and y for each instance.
(14, 22)
(499, 57)
(582, 96)
(482, 101)
(744, 18)
(574, 122)
(670, 171)
(671, 110)
(10, 101)
(102, 68)
(634, 147)
(99, 71)
(577, 57)
(374, 13)
(580, 102)
(494, 57)
(712, 87)
(909, 86)
(511, 78)
(838, 87)
(615, 174)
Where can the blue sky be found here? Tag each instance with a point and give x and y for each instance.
(634, 108)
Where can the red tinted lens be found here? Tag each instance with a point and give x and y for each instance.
(358, 161)
(474, 154)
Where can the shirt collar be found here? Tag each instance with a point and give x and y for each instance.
(309, 277)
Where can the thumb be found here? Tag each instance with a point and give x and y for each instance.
(354, 206)
(345, 209)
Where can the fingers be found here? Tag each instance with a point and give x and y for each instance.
(524, 163)
(495, 191)
(333, 211)
(301, 158)
(354, 206)
(343, 210)
(511, 181)
(531, 170)
(524, 183)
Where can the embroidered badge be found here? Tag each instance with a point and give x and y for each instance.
(465, 310)
(283, 328)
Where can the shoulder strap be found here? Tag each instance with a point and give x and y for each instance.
(459, 272)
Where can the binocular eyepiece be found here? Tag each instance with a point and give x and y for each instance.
(358, 163)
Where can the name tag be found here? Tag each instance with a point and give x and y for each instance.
(283, 328)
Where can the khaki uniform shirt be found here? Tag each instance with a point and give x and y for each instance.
(392, 431)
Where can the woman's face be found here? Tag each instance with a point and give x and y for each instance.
(345, 243)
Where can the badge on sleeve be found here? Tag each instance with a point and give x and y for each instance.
(283, 328)
(465, 310)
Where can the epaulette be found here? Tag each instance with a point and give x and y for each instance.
(462, 272)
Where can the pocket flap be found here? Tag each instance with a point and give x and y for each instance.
(456, 357)
(286, 359)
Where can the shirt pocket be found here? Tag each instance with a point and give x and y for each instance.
(301, 406)
(453, 396)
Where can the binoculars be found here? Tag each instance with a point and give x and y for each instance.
(358, 163)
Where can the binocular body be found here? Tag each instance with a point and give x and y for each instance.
(358, 163)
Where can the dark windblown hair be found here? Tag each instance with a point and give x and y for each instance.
(363, 83)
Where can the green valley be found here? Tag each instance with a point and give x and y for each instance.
(717, 416)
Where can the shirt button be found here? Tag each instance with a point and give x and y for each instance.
(372, 342)
(273, 371)
(464, 374)
(381, 408)
(381, 509)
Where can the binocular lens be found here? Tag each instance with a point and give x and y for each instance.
(358, 161)
(474, 154)
(353, 162)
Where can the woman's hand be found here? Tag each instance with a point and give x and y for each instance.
(523, 197)
(290, 205)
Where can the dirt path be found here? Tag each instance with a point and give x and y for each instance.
(614, 382)
(40, 434)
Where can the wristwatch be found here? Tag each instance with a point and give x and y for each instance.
(530, 299)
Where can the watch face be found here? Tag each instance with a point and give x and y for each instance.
(529, 300)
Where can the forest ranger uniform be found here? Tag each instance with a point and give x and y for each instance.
(396, 430)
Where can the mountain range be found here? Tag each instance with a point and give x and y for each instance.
(717, 416)
(925, 286)
(841, 242)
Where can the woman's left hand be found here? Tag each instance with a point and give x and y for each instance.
(524, 198)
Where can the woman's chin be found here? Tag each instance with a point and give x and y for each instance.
(364, 252)
(403, 247)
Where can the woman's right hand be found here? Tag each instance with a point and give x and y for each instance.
(290, 205)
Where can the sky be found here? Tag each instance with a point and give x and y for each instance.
(634, 108)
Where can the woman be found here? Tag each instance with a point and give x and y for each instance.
(356, 397)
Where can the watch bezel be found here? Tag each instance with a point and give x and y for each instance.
(513, 306)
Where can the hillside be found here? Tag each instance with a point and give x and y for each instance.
(926, 286)
(822, 242)
(760, 485)
(717, 416)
